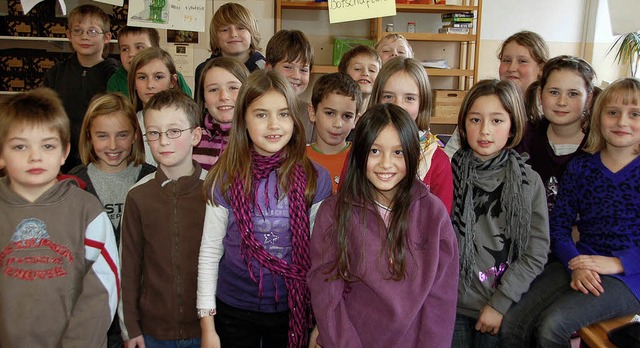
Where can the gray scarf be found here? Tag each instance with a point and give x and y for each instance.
(515, 202)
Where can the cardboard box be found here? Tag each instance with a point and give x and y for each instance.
(14, 83)
(343, 44)
(446, 105)
(54, 27)
(22, 26)
(15, 60)
(121, 12)
(41, 62)
(45, 9)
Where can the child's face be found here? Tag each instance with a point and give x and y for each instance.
(385, 165)
(296, 72)
(172, 155)
(269, 123)
(402, 89)
(31, 157)
(84, 44)
(518, 65)
(220, 93)
(364, 70)
(130, 45)
(393, 48)
(234, 40)
(112, 137)
(564, 98)
(488, 127)
(620, 126)
(153, 78)
(334, 117)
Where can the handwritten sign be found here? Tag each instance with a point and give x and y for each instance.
(353, 10)
(168, 14)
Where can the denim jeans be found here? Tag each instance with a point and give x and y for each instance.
(466, 336)
(551, 310)
(151, 342)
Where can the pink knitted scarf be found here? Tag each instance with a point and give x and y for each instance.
(294, 274)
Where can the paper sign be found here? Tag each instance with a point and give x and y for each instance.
(183, 58)
(624, 16)
(353, 10)
(168, 14)
(27, 5)
(112, 2)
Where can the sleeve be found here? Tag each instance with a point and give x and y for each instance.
(112, 84)
(324, 186)
(216, 219)
(334, 325)
(518, 277)
(95, 307)
(131, 260)
(453, 144)
(630, 259)
(564, 214)
(442, 178)
(443, 294)
(184, 85)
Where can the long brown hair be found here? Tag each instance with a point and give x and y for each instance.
(235, 160)
(357, 189)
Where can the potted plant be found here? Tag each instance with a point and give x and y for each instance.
(628, 50)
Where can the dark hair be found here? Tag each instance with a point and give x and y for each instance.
(510, 98)
(578, 66)
(176, 99)
(360, 50)
(231, 65)
(289, 46)
(337, 83)
(358, 190)
(152, 34)
(143, 58)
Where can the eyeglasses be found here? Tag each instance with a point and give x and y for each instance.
(173, 133)
(92, 32)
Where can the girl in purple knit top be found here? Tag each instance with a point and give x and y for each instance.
(263, 193)
(598, 277)
(383, 250)
(218, 89)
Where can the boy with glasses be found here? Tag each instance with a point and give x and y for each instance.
(161, 231)
(86, 72)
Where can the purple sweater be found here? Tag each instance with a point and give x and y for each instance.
(608, 205)
(418, 311)
(235, 286)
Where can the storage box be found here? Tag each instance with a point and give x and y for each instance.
(343, 44)
(22, 26)
(14, 60)
(44, 9)
(446, 105)
(41, 62)
(14, 83)
(121, 12)
(54, 27)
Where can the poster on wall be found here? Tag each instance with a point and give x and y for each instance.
(168, 14)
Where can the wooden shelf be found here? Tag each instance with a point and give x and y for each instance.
(328, 69)
(41, 38)
(423, 8)
(438, 37)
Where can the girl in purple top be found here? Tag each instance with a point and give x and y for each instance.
(217, 92)
(383, 249)
(598, 277)
(263, 193)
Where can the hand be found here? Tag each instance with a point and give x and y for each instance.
(586, 281)
(136, 342)
(313, 340)
(489, 320)
(210, 340)
(597, 263)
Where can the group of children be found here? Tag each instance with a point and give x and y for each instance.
(215, 245)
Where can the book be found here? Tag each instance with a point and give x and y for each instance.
(457, 15)
(458, 25)
(454, 31)
(457, 20)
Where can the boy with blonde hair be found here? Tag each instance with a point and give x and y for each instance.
(161, 231)
(86, 72)
(60, 273)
